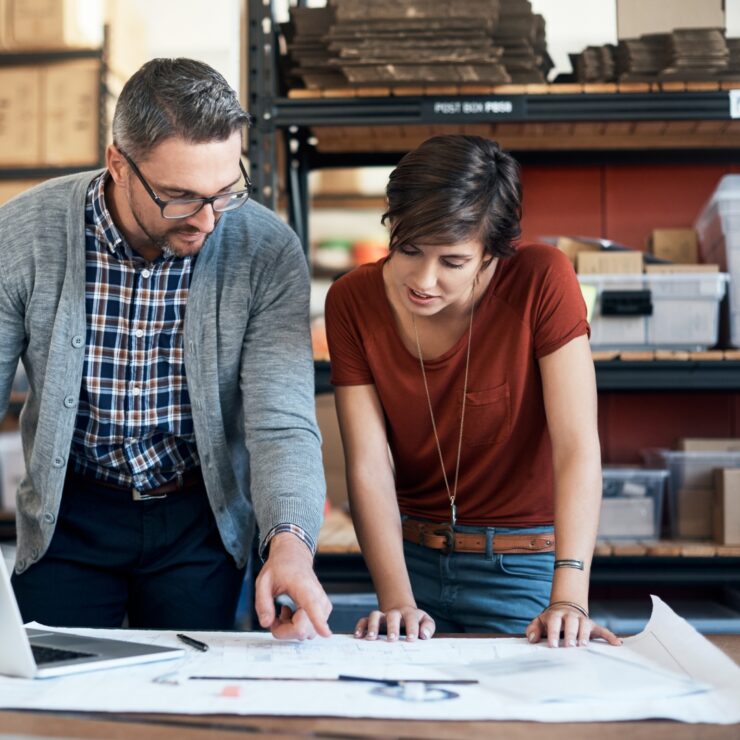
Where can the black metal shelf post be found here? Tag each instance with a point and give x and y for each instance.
(262, 59)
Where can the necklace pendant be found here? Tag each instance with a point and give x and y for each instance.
(453, 514)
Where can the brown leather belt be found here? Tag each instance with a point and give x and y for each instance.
(440, 537)
(189, 479)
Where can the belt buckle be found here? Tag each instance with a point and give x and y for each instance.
(449, 534)
(138, 495)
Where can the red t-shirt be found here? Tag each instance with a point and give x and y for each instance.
(532, 307)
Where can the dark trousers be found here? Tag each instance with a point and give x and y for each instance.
(161, 562)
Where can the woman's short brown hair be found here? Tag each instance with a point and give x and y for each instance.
(455, 188)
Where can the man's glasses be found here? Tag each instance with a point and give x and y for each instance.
(185, 207)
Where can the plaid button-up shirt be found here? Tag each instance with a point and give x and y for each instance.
(134, 423)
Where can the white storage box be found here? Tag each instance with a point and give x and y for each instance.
(656, 311)
(718, 230)
(690, 487)
(720, 216)
(632, 503)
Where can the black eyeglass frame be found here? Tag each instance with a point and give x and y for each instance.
(162, 204)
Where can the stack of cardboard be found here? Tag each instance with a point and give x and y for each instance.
(696, 54)
(684, 54)
(594, 64)
(521, 33)
(641, 60)
(308, 53)
(733, 65)
(402, 42)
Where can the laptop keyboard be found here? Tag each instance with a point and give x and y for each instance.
(44, 655)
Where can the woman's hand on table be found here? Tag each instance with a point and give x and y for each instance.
(416, 623)
(576, 628)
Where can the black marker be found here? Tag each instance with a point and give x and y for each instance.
(197, 644)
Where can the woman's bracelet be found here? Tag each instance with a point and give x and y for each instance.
(571, 604)
(569, 563)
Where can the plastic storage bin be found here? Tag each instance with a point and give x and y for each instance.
(632, 503)
(656, 311)
(690, 488)
(718, 229)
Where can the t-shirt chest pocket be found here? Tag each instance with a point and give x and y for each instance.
(487, 416)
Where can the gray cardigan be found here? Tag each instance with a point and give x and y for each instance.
(247, 359)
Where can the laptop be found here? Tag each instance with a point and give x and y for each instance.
(38, 653)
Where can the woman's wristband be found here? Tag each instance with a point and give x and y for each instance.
(571, 604)
(569, 563)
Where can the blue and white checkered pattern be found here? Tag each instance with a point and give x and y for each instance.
(134, 423)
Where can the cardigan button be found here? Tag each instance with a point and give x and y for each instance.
(70, 402)
(78, 340)
(58, 462)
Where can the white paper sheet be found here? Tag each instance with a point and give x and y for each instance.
(668, 671)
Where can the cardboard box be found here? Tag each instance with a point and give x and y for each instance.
(52, 24)
(332, 451)
(608, 262)
(676, 245)
(71, 113)
(695, 513)
(573, 247)
(337, 181)
(727, 506)
(49, 114)
(708, 444)
(20, 116)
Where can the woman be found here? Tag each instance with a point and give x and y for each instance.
(467, 359)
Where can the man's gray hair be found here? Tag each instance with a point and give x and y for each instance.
(175, 97)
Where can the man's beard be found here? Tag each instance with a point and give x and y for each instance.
(161, 241)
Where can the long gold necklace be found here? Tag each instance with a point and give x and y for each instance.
(451, 493)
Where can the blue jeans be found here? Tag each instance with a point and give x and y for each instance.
(481, 592)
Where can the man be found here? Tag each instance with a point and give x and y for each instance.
(162, 319)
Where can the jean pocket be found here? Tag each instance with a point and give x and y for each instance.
(487, 416)
(537, 566)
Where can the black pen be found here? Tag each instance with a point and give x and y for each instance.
(197, 644)
(402, 681)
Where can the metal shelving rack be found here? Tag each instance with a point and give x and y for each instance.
(279, 117)
(29, 58)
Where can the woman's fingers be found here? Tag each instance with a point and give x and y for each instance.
(414, 622)
(598, 631)
(361, 627)
(427, 627)
(374, 622)
(571, 623)
(574, 628)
